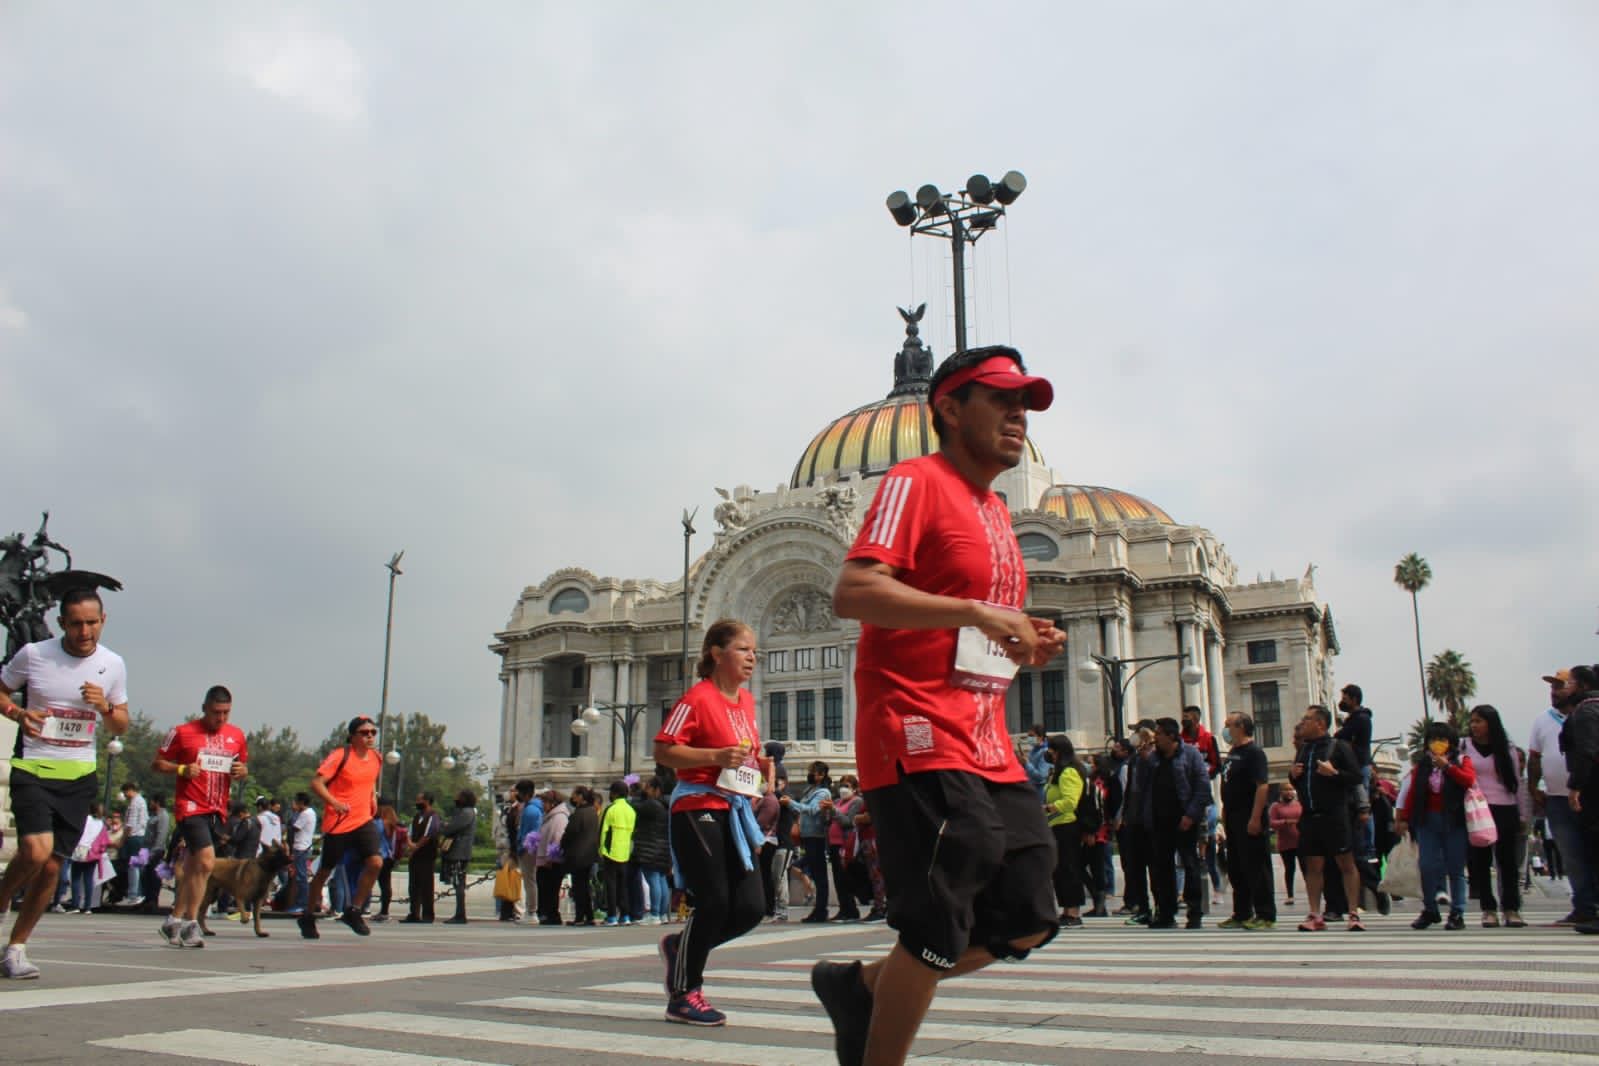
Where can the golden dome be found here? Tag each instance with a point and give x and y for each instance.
(1097, 504)
(873, 438)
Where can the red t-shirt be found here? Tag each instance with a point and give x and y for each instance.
(942, 535)
(207, 791)
(355, 785)
(704, 718)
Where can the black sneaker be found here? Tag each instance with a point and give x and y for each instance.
(691, 1009)
(1194, 922)
(307, 924)
(1456, 921)
(356, 922)
(838, 985)
(1070, 921)
(1426, 919)
(1163, 923)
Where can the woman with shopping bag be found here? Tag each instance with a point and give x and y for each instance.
(1434, 807)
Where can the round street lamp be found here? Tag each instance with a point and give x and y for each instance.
(1088, 672)
(579, 726)
(112, 750)
(1192, 675)
(448, 762)
(393, 759)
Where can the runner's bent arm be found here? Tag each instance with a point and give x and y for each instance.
(319, 789)
(684, 757)
(871, 592)
(30, 722)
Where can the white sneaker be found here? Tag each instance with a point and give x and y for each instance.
(133, 901)
(190, 937)
(16, 965)
(170, 929)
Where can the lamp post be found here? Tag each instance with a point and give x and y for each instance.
(626, 715)
(112, 750)
(393, 566)
(960, 218)
(688, 531)
(1113, 671)
(394, 758)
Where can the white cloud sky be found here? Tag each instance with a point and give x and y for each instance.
(509, 287)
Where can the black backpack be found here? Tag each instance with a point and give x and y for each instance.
(1089, 816)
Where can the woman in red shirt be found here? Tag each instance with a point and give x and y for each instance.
(1435, 806)
(712, 740)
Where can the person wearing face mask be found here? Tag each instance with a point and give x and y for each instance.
(1546, 763)
(1579, 739)
(841, 847)
(812, 804)
(1284, 817)
(1435, 807)
(424, 859)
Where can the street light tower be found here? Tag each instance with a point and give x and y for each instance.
(393, 566)
(1113, 671)
(688, 531)
(960, 218)
(112, 750)
(394, 758)
(626, 715)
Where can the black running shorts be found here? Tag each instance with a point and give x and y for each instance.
(1323, 835)
(365, 842)
(966, 862)
(201, 831)
(48, 805)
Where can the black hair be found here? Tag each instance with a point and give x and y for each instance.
(524, 788)
(1246, 724)
(618, 790)
(218, 694)
(1196, 711)
(130, 784)
(356, 723)
(1169, 727)
(80, 595)
(1065, 756)
(1438, 731)
(1354, 693)
(427, 797)
(1320, 712)
(303, 798)
(959, 361)
(238, 809)
(1587, 677)
(1498, 746)
(466, 798)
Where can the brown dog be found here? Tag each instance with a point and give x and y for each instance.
(248, 881)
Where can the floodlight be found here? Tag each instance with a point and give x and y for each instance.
(900, 206)
(1010, 187)
(930, 200)
(980, 189)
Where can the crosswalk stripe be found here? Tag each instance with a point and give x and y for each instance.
(1057, 1038)
(250, 1049)
(1408, 1021)
(1298, 990)
(650, 1047)
(1199, 969)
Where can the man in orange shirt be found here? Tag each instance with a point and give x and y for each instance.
(347, 783)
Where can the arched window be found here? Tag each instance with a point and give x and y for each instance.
(575, 601)
(1038, 546)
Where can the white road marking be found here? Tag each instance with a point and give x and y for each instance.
(255, 1050)
(1057, 1037)
(1407, 1021)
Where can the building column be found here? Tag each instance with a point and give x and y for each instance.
(1213, 678)
(534, 716)
(602, 735)
(1197, 695)
(507, 720)
(523, 717)
(624, 696)
(1087, 704)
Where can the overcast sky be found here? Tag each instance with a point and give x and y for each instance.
(285, 289)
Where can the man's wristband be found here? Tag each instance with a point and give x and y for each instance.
(183, 770)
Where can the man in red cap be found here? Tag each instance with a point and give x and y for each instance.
(936, 579)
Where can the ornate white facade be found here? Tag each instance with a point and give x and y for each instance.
(1119, 575)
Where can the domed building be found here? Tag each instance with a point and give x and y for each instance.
(1121, 576)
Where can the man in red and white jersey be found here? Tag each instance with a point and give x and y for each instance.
(206, 754)
(936, 579)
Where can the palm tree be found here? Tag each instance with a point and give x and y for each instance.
(1412, 575)
(1452, 682)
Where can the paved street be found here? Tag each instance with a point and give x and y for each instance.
(489, 992)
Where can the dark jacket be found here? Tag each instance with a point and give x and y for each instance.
(1579, 739)
(1113, 796)
(1458, 776)
(649, 835)
(1356, 732)
(462, 828)
(1191, 775)
(1326, 795)
(580, 844)
(425, 835)
(244, 838)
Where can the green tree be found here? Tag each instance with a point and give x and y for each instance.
(279, 764)
(1452, 682)
(1412, 574)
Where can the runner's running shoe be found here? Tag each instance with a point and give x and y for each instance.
(691, 1009)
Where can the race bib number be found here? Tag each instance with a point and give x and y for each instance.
(981, 665)
(213, 763)
(744, 780)
(67, 726)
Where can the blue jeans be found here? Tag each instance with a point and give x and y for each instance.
(1366, 835)
(660, 894)
(1573, 851)
(338, 890)
(1443, 857)
(302, 879)
(83, 885)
